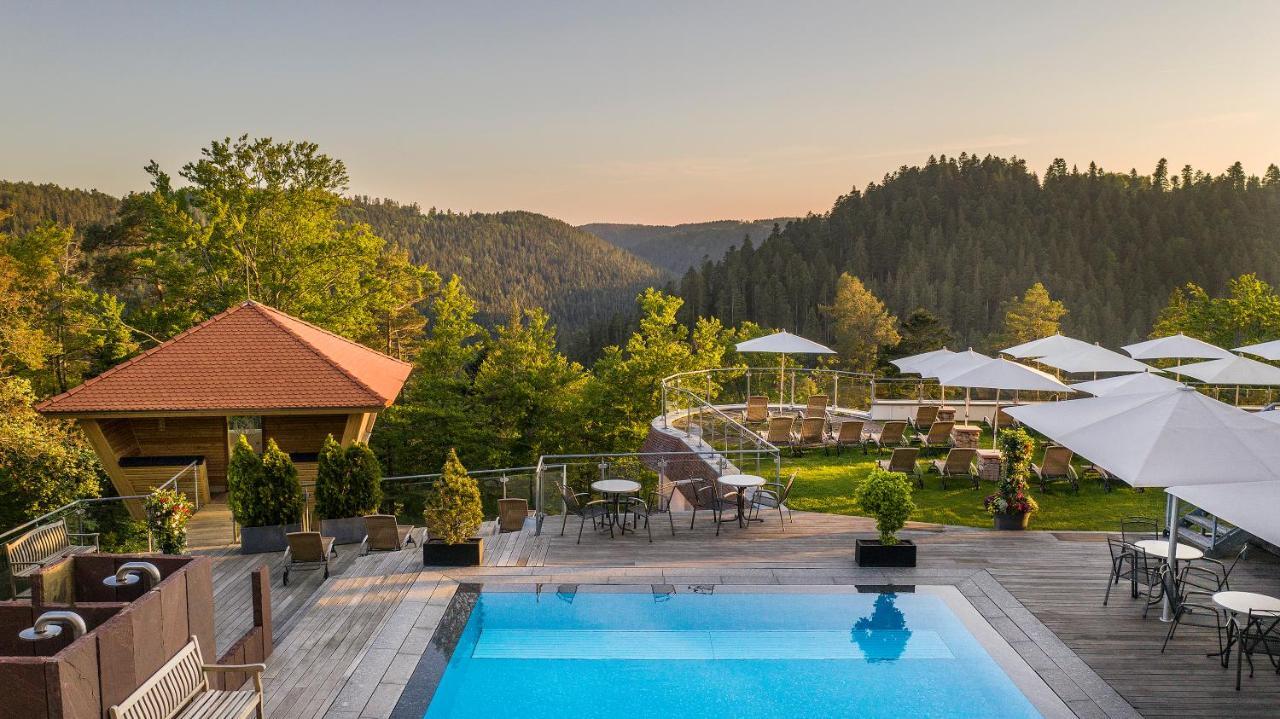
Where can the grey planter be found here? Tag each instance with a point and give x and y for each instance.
(348, 530)
(260, 540)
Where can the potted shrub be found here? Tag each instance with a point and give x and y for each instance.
(1012, 505)
(453, 515)
(168, 511)
(264, 496)
(887, 497)
(348, 486)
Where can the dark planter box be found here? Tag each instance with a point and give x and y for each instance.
(348, 530)
(436, 553)
(260, 540)
(1012, 522)
(871, 553)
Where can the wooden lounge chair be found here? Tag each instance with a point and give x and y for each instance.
(383, 534)
(892, 434)
(180, 688)
(812, 434)
(1006, 422)
(817, 406)
(850, 434)
(902, 460)
(960, 462)
(307, 550)
(1056, 467)
(938, 437)
(757, 411)
(43, 545)
(781, 432)
(512, 512)
(926, 415)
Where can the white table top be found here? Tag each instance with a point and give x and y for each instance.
(742, 480)
(1160, 548)
(1245, 601)
(615, 486)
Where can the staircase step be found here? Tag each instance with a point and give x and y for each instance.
(1205, 522)
(1203, 542)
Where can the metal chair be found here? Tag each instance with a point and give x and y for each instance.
(773, 495)
(1188, 608)
(597, 510)
(708, 498)
(1258, 632)
(1122, 554)
(1133, 529)
(1221, 570)
(660, 500)
(638, 509)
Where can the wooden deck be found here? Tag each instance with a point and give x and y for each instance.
(346, 647)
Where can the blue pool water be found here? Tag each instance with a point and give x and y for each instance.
(749, 656)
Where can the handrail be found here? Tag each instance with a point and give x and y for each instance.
(785, 376)
(743, 431)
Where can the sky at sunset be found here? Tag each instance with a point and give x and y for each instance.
(635, 112)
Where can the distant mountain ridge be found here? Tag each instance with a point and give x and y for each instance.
(519, 258)
(676, 248)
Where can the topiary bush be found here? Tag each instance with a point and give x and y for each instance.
(453, 513)
(348, 481)
(244, 484)
(263, 491)
(282, 493)
(887, 497)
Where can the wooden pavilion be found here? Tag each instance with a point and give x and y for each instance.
(250, 370)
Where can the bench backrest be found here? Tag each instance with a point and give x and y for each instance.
(39, 544)
(168, 690)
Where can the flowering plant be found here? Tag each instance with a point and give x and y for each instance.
(168, 511)
(1013, 495)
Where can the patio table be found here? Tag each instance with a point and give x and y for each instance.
(1263, 614)
(740, 483)
(1160, 548)
(614, 490)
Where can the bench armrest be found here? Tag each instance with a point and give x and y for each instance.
(255, 668)
(85, 534)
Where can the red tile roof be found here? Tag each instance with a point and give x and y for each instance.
(249, 358)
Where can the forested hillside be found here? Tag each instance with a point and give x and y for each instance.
(29, 204)
(519, 258)
(961, 235)
(676, 248)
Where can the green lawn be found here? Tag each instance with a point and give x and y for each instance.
(825, 483)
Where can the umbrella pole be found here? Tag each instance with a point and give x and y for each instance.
(966, 405)
(1171, 520)
(995, 420)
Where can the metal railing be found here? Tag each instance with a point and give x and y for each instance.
(649, 469)
(785, 386)
(109, 517)
(405, 496)
(712, 425)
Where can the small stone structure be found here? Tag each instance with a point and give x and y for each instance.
(965, 436)
(989, 465)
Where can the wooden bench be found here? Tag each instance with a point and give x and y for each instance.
(180, 690)
(41, 546)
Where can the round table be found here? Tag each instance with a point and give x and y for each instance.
(1160, 548)
(1258, 607)
(741, 483)
(613, 491)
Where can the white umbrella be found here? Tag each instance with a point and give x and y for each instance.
(950, 364)
(783, 343)
(1270, 415)
(910, 364)
(1092, 358)
(1233, 370)
(1250, 506)
(1001, 374)
(1045, 346)
(1139, 383)
(1163, 439)
(1265, 350)
(1177, 346)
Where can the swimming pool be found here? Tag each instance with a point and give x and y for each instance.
(745, 654)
